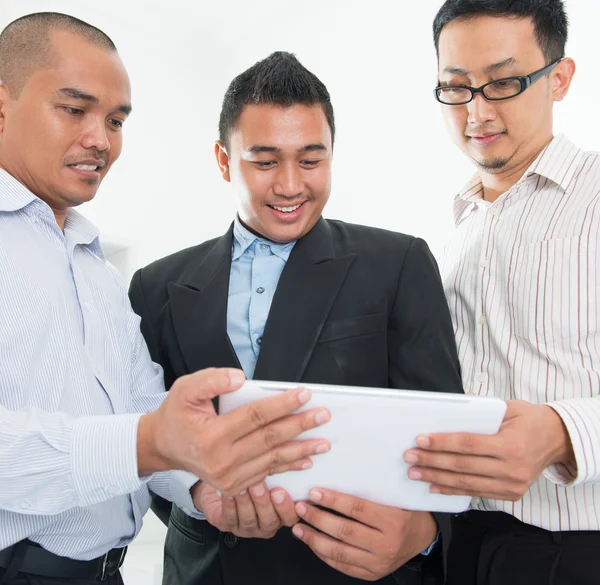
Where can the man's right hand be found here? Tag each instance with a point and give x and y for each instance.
(231, 451)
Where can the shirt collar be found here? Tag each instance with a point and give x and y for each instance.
(558, 162)
(244, 241)
(14, 196)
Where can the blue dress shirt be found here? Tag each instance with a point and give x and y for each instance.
(256, 265)
(75, 374)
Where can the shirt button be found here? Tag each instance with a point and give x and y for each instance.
(87, 306)
(231, 540)
(494, 210)
(481, 320)
(260, 290)
(484, 263)
(259, 341)
(263, 247)
(475, 502)
(481, 378)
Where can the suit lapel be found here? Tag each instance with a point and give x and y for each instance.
(307, 289)
(199, 310)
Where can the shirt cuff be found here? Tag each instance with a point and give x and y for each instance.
(104, 457)
(175, 486)
(581, 417)
(428, 550)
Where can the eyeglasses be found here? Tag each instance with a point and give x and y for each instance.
(501, 89)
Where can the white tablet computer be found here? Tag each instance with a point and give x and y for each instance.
(370, 429)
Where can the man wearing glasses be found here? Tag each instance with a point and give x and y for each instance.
(522, 281)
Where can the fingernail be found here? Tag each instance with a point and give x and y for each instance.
(307, 465)
(322, 417)
(236, 377)
(414, 474)
(315, 495)
(411, 458)
(219, 493)
(258, 490)
(278, 497)
(322, 448)
(301, 509)
(423, 441)
(435, 490)
(297, 531)
(304, 396)
(243, 493)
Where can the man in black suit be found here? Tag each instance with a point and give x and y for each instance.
(290, 296)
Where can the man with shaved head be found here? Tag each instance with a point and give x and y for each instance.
(86, 429)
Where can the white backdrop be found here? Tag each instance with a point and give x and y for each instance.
(394, 167)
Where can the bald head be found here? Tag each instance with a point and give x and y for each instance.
(26, 45)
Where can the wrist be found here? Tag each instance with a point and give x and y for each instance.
(150, 459)
(427, 531)
(560, 448)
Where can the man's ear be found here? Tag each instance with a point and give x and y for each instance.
(222, 160)
(562, 76)
(4, 102)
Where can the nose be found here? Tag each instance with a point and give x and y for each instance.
(481, 110)
(95, 135)
(289, 182)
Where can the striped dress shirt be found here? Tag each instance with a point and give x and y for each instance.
(74, 375)
(522, 278)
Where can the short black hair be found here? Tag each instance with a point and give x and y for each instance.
(549, 17)
(25, 44)
(279, 79)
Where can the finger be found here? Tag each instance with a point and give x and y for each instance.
(284, 506)
(349, 570)
(250, 417)
(301, 465)
(212, 382)
(255, 470)
(229, 514)
(268, 519)
(464, 443)
(363, 511)
(484, 466)
(465, 484)
(343, 529)
(247, 519)
(331, 550)
(278, 433)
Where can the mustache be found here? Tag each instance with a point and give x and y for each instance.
(91, 153)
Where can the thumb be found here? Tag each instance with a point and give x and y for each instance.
(212, 382)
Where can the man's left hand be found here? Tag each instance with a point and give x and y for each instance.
(372, 542)
(501, 466)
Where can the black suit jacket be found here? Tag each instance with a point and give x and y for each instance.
(354, 305)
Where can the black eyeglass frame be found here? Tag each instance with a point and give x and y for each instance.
(525, 81)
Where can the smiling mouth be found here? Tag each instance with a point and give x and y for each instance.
(289, 209)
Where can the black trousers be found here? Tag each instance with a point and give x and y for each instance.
(494, 548)
(23, 579)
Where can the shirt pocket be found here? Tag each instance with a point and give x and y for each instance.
(549, 292)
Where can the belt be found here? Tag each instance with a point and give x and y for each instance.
(37, 561)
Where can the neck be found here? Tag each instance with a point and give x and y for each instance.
(496, 184)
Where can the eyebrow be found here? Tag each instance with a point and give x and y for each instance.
(488, 69)
(76, 94)
(258, 148)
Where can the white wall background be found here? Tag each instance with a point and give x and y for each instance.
(394, 167)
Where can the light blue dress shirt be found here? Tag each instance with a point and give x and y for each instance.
(75, 373)
(256, 265)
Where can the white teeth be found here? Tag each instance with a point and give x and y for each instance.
(286, 209)
(86, 167)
